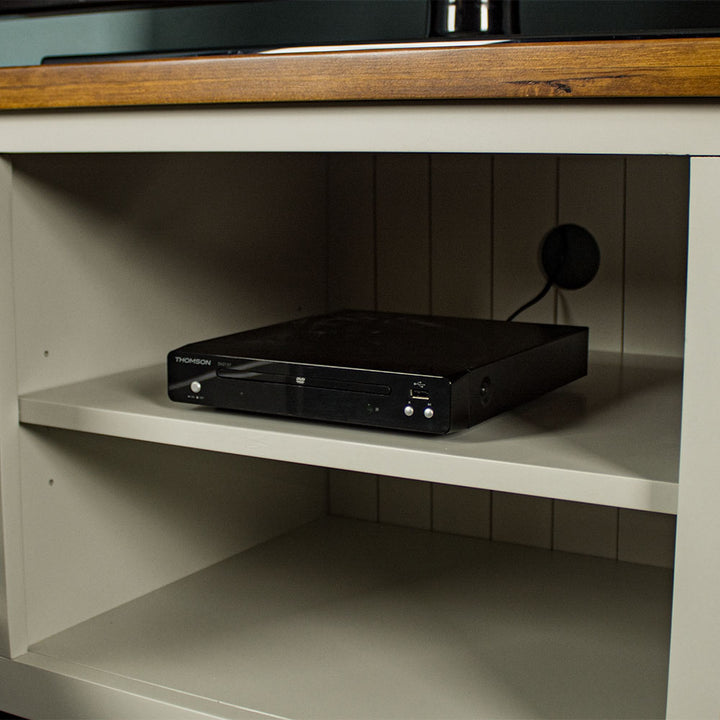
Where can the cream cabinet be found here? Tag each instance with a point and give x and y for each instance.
(162, 561)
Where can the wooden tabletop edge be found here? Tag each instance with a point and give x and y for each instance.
(659, 68)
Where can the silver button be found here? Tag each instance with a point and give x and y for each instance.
(428, 412)
(409, 410)
(195, 386)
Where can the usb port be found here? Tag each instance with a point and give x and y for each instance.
(417, 394)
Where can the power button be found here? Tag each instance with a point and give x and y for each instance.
(195, 387)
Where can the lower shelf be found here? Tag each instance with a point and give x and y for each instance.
(346, 619)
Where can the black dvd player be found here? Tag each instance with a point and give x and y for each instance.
(387, 370)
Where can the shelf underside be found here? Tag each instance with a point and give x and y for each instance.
(611, 438)
(351, 619)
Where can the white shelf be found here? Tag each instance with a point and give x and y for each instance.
(611, 438)
(346, 619)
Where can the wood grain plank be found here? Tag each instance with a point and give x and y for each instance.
(679, 67)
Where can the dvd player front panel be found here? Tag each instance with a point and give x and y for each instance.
(398, 401)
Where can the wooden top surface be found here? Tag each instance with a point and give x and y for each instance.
(665, 68)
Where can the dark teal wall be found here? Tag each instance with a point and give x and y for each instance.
(290, 22)
(27, 41)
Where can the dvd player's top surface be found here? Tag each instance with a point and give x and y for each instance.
(392, 342)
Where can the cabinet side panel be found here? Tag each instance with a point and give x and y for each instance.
(10, 553)
(655, 255)
(8, 483)
(12, 606)
(591, 194)
(461, 229)
(122, 258)
(108, 520)
(695, 646)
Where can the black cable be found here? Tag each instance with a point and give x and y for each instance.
(536, 299)
(570, 258)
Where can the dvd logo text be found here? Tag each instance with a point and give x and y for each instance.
(192, 361)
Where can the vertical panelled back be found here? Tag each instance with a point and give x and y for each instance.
(525, 208)
(591, 193)
(460, 235)
(351, 230)
(402, 217)
(656, 255)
